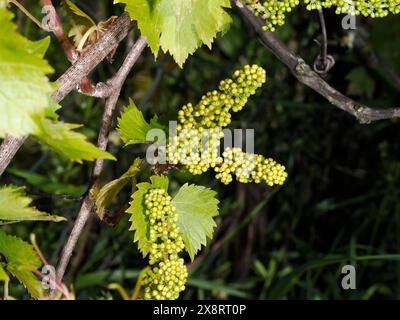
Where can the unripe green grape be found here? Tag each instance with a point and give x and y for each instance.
(249, 168)
(167, 275)
(371, 8)
(273, 12)
(200, 130)
(200, 127)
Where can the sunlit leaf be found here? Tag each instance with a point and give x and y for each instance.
(179, 26)
(15, 207)
(196, 207)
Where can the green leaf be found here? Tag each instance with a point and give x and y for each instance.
(26, 106)
(3, 273)
(24, 88)
(39, 47)
(77, 15)
(159, 182)
(106, 194)
(196, 207)
(140, 225)
(179, 26)
(132, 126)
(60, 137)
(15, 207)
(21, 260)
(81, 23)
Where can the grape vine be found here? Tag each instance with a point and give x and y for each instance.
(165, 228)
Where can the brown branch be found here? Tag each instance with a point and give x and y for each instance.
(303, 72)
(324, 62)
(87, 206)
(55, 25)
(8, 149)
(58, 31)
(92, 57)
(73, 76)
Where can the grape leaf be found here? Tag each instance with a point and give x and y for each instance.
(196, 207)
(107, 193)
(139, 221)
(179, 26)
(38, 47)
(3, 273)
(132, 126)
(26, 106)
(21, 260)
(24, 87)
(15, 207)
(79, 17)
(82, 26)
(60, 137)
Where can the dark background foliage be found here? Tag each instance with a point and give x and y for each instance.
(339, 206)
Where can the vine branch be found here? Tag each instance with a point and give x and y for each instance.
(304, 73)
(324, 62)
(73, 76)
(87, 206)
(57, 29)
(86, 87)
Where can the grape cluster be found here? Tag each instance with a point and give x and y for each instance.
(200, 127)
(273, 11)
(371, 8)
(249, 168)
(197, 142)
(167, 274)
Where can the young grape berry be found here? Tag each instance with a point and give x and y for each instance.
(167, 275)
(273, 12)
(200, 131)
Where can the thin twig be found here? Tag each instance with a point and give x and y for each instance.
(85, 86)
(37, 249)
(324, 37)
(57, 29)
(5, 290)
(324, 62)
(80, 248)
(28, 14)
(54, 283)
(92, 57)
(88, 203)
(8, 150)
(304, 73)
